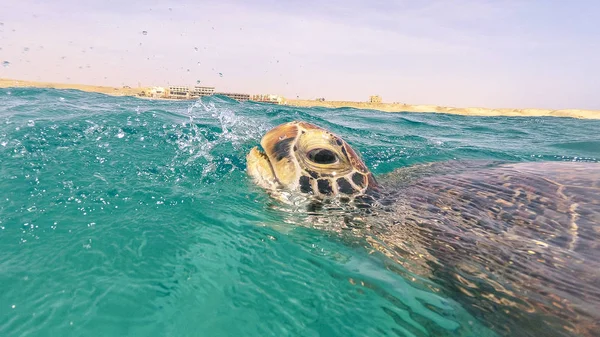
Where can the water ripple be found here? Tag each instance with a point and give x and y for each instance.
(124, 216)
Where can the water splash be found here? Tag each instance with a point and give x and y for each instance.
(215, 151)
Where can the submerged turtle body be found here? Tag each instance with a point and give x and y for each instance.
(518, 243)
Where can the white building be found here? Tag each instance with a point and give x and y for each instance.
(179, 92)
(157, 92)
(199, 91)
(236, 96)
(268, 98)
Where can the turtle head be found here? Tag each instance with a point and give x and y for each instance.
(304, 158)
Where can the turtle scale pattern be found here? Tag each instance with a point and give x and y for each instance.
(519, 242)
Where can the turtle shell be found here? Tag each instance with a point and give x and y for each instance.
(519, 243)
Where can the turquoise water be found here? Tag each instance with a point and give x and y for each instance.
(132, 217)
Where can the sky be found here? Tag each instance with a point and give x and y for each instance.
(497, 53)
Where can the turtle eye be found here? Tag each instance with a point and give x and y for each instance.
(322, 156)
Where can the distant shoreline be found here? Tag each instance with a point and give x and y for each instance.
(386, 107)
(472, 111)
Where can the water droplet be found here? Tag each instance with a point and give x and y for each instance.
(170, 9)
(198, 63)
(221, 74)
(196, 48)
(144, 32)
(26, 49)
(188, 70)
(5, 64)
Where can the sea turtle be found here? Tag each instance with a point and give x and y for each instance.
(517, 243)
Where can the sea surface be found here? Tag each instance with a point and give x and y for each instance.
(122, 216)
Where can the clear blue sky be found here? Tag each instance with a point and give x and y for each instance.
(499, 53)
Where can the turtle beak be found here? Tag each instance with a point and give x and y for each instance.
(275, 167)
(278, 145)
(260, 169)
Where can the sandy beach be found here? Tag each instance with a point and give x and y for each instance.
(473, 111)
(10, 83)
(387, 107)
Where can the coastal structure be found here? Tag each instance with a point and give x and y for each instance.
(375, 99)
(236, 96)
(157, 92)
(179, 92)
(185, 92)
(199, 91)
(268, 98)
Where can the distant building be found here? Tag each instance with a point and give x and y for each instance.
(199, 91)
(179, 92)
(375, 99)
(156, 92)
(275, 99)
(236, 96)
